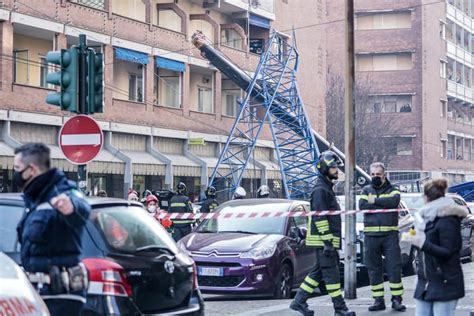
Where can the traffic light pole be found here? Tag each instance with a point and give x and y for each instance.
(83, 108)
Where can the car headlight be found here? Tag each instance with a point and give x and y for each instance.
(259, 253)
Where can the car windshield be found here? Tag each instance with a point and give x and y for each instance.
(414, 201)
(10, 216)
(270, 225)
(131, 229)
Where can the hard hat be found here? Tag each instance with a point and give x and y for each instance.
(263, 191)
(181, 188)
(151, 198)
(328, 159)
(239, 193)
(211, 191)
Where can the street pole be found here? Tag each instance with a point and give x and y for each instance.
(350, 272)
(81, 169)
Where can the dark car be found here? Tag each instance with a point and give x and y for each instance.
(134, 266)
(260, 255)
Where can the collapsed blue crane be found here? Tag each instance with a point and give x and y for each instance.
(272, 98)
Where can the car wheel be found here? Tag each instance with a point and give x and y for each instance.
(284, 282)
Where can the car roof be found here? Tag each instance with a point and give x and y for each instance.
(250, 202)
(95, 201)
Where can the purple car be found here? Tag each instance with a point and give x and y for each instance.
(265, 256)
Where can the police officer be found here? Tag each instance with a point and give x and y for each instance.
(181, 203)
(210, 203)
(50, 230)
(263, 192)
(324, 233)
(381, 238)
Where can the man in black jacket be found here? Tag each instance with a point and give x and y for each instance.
(324, 233)
(50, 230)
(181, 204)
(381, 238)
(210, 203)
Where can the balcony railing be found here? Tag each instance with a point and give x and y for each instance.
(459, 54)
(460, 91)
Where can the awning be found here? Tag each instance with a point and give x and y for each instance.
(251, 172)
(259, 21)
(106, 162)
(170, 64)
(273, 169)
(59, 161)
(183, 166)
(131, 55)
(144, 163)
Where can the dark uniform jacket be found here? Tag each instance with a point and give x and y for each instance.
(387, 197)
(209, 205)
(440, 276)
(49, 238)
(181, 204)
(324, 229)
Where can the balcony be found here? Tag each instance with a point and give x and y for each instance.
(264, 8)
(460, 91)
(457, 15)
(459, 54)
(461, 126)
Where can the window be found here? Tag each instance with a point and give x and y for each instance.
(229, 100)
(135, 88)
(21, 69)
(96, 4)
(442, 69)
(383, 20)
(390, 104)
(404, 146)
(44, 69)
(168, 88)
(133, 9)
(442, 30)
(205, 103)
(383, 62)
(230, 37)
(169, 19)
(443, 148)
(443, 108)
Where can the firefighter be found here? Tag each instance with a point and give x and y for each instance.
(381, 238)
(151, 204)
(210, 203)
(181, 203)
(324, 233)
(239, 193)
(263, 192)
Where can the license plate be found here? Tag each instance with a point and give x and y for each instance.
(205, 271)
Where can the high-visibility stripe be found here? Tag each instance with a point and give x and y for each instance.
(311, 281)
(182, 221)
(327, 237)
(396, 285)
(376, 287)
(396, 292)
(373, 229)
(178, 204)
(364, 197)
(333, 286)
(335, 293)
(306, 288)
(377, 294)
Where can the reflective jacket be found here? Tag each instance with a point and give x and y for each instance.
(181, 204)
(209, 205)
(387, 197)
(324, 229)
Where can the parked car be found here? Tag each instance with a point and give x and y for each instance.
(405, 222)
(415, 201)
(17, 295)
(251, 255)
(134, 266)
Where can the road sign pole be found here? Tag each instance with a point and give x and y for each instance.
(83, 108)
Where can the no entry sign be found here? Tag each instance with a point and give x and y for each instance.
(81, 139)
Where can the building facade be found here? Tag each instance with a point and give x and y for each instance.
(167, 111)
(417, 57)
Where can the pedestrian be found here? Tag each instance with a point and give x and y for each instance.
(132, 195)
(210, 203)
(181, 203)
(151, 204)
(437, 235)
(324, 233)
(263, 192)
(50, 230)
(381, 238)
(102, 193)
(239, 193)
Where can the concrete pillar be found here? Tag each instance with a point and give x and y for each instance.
(149, 83)
(108, 77)
(151, 149)
(6, 46)
(60, 42)
(186, 90)
(217, 89)
(128, 173)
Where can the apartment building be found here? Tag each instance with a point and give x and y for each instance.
(417, 57)
(167, 110)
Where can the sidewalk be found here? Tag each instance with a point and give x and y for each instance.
(323, 306)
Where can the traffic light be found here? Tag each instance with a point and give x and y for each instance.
(66, 79)
(95, 79)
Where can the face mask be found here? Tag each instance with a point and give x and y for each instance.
(18, 178)
(152, 209)
(376, 181)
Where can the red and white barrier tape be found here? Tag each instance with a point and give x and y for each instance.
(236, 215)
